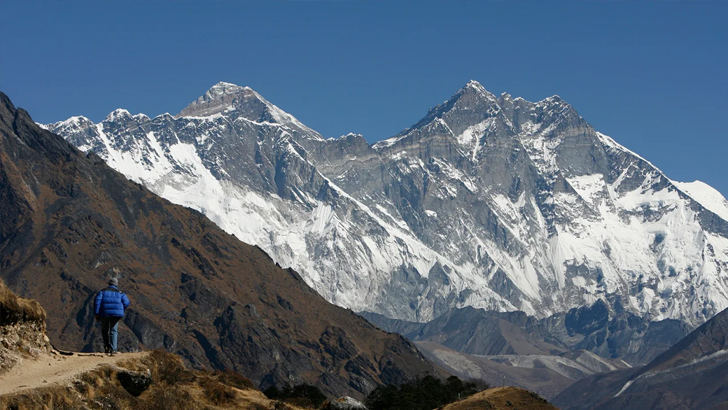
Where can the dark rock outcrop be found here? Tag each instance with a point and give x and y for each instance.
(134, 382)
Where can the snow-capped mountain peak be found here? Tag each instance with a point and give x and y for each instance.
(118, 114)
(219, 98)
(223, 88)
(73, 122)
(475, 86)
(233, 101)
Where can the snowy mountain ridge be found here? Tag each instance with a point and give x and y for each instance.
(491, 202)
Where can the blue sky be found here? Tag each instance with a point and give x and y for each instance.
(650, 74)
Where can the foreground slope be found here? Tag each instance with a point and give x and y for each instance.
(68, 222)
(491, 202)
(693, 374)
(502, 398)
(141, 381)
(33, 375)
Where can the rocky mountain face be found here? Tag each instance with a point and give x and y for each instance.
(490, 202)
(69, 222)
(542, 355)
(693, 374)
(623, 336)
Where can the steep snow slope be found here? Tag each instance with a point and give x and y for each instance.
(488, 201)
(708, 196)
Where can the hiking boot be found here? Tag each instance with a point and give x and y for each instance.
(107, 350)
(113, 353)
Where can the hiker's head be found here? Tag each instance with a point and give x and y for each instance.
(114, 282)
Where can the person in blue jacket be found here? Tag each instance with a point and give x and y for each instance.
(109, 309)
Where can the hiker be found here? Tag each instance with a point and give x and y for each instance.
(109, 309)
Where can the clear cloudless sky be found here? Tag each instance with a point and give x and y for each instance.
(651, 74)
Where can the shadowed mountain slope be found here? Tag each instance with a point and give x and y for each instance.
(693, 374)
(607, 333)
(68, 222)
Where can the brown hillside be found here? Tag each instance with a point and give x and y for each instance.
(502, 398)
(148, 380)
(68, 222)
(14, 309)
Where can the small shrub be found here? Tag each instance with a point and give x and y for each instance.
(480, 384)
(55, 397)
(537, 397)
(216, 392)
(302, 395)
(279, 405)
(234, 379)
(425, 393)
(168, 368)
(168, 398)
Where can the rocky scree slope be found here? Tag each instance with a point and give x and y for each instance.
(68, 222)
(491, 202)
(693, 374)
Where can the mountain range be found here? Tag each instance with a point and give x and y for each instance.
(541, 355)
(692, 374)
(69, 223)
(488, 201)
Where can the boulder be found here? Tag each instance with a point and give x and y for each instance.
(134, 382)
(346, 403)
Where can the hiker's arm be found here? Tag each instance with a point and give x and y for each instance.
(125, 300)
(97, 304)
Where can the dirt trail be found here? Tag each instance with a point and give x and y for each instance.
(47, 370)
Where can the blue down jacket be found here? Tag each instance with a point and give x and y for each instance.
(111, 302)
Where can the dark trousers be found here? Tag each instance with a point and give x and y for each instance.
(109, 331)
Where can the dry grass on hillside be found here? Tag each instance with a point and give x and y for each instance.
(14, 309)
(22, 329)
(502, 398)
(173, 387)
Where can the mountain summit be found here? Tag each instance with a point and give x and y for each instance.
(491, 202)
(241, 102)
(218, 98)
